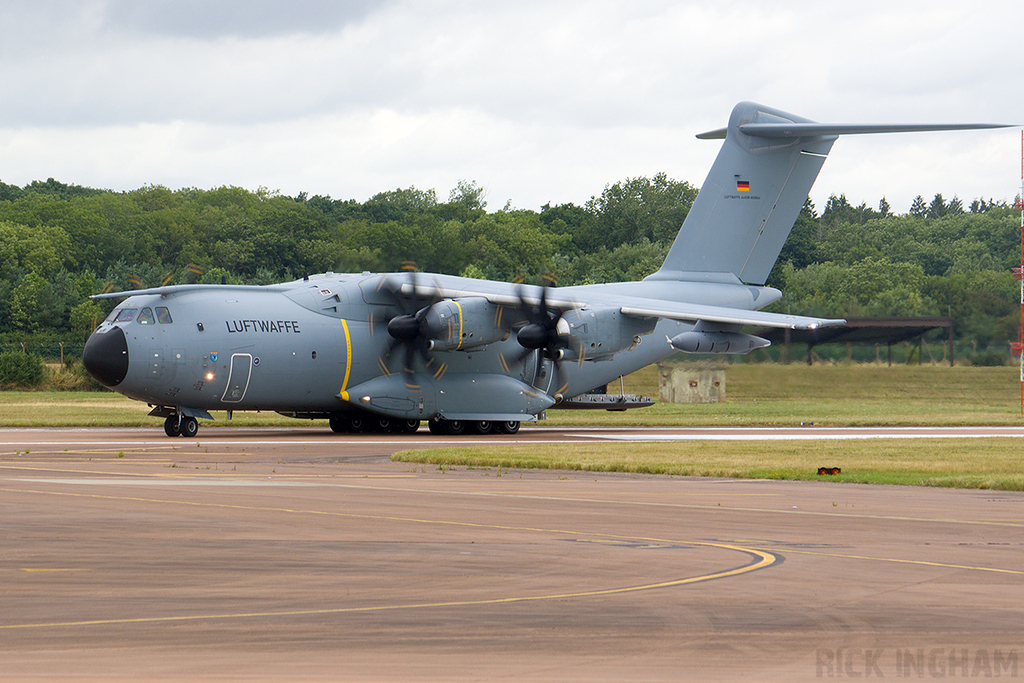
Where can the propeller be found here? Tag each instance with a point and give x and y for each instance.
(540, 334)
(409, 328)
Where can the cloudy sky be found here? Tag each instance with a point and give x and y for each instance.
(536, 101)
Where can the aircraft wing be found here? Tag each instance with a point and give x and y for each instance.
(500, 294)
(727, 316)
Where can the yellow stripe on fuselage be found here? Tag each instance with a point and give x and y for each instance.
(348, 361)
(460, 324)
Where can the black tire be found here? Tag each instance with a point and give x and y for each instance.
(456, 427)
(482, 426)
(408, 426)
(172, 427)
(339, 424)
(356, 423)
(379, 425)
(437, 426)
(189, 427)
(508, 427)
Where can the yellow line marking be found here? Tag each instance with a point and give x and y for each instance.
(764, 559)
(188, 473)
(924, 563)
(54, 569)
(348, 361)
(108, 473)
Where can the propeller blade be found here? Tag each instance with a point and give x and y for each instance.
(409, 328)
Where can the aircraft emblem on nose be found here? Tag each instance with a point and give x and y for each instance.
(213, 357)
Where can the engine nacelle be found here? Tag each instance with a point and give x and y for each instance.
(600, 333)
(462, 324)
(707, 341)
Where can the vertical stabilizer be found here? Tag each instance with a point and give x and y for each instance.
(743, 214)
(752, 196)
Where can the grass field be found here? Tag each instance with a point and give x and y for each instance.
(827, 395)
(757, 395)
(835, 395)
(990, 463)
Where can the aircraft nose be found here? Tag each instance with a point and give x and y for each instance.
(106, 356)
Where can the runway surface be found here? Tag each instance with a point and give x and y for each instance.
(296, 554)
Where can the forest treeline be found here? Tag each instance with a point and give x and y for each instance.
(60, 243)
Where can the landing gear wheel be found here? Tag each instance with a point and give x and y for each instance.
(189, 427)
(408, 426)
(356, 423)
(380, 425)
(508, 427)
(339, 424)
(481, 426)
(172, 427)
(447, 427)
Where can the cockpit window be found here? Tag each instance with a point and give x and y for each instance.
(146, 317)
(163, 315)
(125, 315)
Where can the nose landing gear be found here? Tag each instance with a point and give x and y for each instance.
(181, 425)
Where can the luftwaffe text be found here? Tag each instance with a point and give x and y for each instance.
(283, 326)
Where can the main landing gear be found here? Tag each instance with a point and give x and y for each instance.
(181, 425)
(374, 424)
(369, 423)
(458, 427)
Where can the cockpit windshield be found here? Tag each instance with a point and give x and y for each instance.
(125, 315)
(163, 315)
(146, 317)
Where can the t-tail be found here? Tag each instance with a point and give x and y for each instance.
(755, 190)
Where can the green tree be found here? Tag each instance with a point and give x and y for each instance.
(40, 249)
(938, 208)
(469, 195)
(9, 192)
(652, 208)
(20, 370)
(85, 317)
(918, 207)
(27, 301)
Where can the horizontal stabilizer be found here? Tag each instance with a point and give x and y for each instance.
(803, 130)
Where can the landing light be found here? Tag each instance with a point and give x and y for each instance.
(209, 376)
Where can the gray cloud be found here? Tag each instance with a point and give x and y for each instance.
(345, 98)
(205, 19)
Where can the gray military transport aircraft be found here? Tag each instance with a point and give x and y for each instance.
(381, 352)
